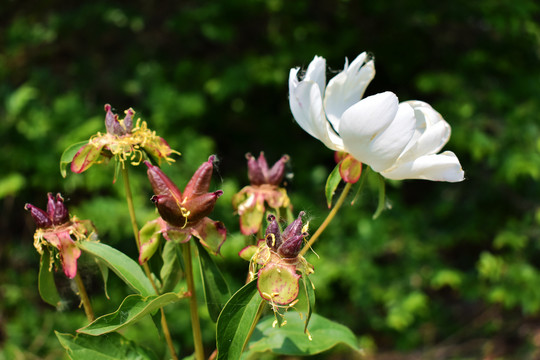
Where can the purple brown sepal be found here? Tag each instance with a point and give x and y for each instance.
(259, 173)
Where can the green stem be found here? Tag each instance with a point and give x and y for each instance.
(131, 209)
(84, 298)
(328, 219)
(193, 306)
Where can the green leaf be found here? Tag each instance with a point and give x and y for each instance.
(291, 340)
(68, 154)
(216, 290)
(331, 184)
(133, 308)
(123, 266)
(236, 321)
(108, 347)
(104, 270)
(46, 284)
(171, 269)
(310, 295)
(382, 197)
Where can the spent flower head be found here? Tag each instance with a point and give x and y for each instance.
(251, 201)
(276, 263)
(183, 215)
(123, 141)
(397, 140)
(60, 234)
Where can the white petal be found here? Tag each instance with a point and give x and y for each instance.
(376, 130)
(435, 132)
(348, 87)
(441, 167)
(316, 71)
(306, 106)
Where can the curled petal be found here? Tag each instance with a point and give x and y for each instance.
(431, 132)
(307, 108)
(441, 167)
(348, 87)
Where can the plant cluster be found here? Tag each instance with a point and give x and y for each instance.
(395, 140)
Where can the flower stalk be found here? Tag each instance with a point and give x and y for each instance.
(84, 298)
(131, 208)
(328, 219)
(194, 309)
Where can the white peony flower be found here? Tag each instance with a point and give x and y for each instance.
(398, 140)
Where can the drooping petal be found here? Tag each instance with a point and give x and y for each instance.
(376, 130)
(212, 234)
(441, 167)
(307, 108)
(69, 253)
(347, 88)
(431, 132)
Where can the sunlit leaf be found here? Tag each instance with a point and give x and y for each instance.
(123, 266)
(290, 339)
(172, 266)
(331, 185)
(133, 308)
(112, 346)
(216, 290)
(236, 321)
(46, 284)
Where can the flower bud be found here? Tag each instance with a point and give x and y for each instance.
(294, 228)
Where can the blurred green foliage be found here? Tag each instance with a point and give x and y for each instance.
(448, 264)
